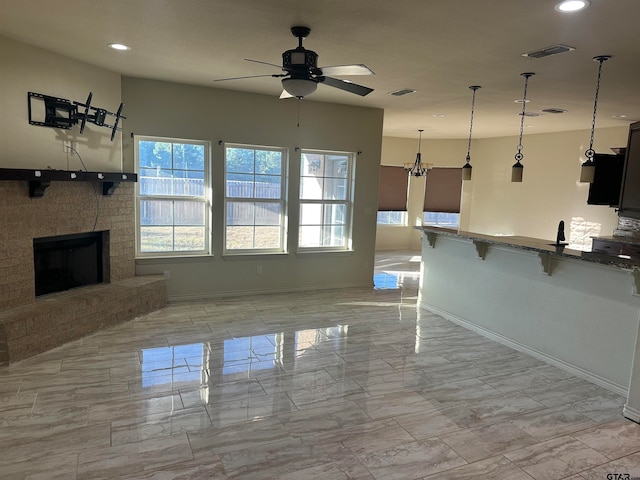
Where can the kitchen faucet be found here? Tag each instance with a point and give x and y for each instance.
(560, 236)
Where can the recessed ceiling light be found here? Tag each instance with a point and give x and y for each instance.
(438, 115)
(521, 101)
(572, 5)
(619, 116)
(119, 46)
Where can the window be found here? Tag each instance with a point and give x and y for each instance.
(443, 190)
(392, 218)
(392, 196)
(172, 207)
(326, 189)
(255, 196)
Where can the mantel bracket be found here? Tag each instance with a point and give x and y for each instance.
(37, 188)
(108, 188)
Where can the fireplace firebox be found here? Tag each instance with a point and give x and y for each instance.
(68, 261)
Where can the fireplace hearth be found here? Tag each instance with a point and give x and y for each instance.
(69, 261)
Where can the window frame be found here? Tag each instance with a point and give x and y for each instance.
(283, 200)
(348, 202)
(205, 198)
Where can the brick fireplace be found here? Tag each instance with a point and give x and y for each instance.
(30, 325)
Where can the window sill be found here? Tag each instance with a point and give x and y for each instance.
(155, 260)
(228, 256)
(324, 253)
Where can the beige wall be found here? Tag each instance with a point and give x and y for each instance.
(491, 204)
(550, 190)
(25, 69)
(180, 111)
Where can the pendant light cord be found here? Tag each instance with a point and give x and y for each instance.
(473, 104)
(590, 152)
(519, 156)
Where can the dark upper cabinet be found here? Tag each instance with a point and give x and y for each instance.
(629, 205)
(607, 182)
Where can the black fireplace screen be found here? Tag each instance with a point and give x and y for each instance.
(69, 261)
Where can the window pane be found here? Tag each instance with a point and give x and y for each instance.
(239, 238)
(154, 154)
(267, 214)
(311, 188)
(310, 214)
(189, 213)
(156, 212)
(333, 236)
(187, 183)
(155, 181)
(240, 186)
(240, 160)
(188, 157)
(312, 165)
(336, 166)
(392, 218)
(240, 213)
(310, 236)
(267, 237)
(156, 239)
(335, 189)
(267, 186)
(335, 214)
(268, 162)
(442, 219)
(189, 238)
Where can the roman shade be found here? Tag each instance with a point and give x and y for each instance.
(392, 192)
(443, 189)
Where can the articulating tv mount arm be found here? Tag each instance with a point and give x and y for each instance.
(62, 113)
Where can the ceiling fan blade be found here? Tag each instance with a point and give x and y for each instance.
(250, 76)
(264, 63)
(358, 69)
(347, 86)
(285, 94)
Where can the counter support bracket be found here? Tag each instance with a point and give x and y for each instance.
(481, 248)
(431, 238)
(547, 262)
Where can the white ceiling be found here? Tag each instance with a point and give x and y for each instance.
(438, 47)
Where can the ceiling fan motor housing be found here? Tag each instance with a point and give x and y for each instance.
(300, 59)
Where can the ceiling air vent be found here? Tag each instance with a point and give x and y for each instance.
(547, 52)
(402, 91)
(554, 110)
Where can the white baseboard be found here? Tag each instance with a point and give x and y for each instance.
(631, 413)
(201, 297)
(556, 362)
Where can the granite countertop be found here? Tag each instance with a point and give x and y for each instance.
(537, 245)
(626, 239)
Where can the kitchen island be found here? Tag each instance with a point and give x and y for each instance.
(576, 310)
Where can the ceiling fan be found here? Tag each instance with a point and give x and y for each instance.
(302, 75)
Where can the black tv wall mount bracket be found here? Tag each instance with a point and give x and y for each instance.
(63, 113)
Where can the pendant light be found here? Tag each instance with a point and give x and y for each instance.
(517, 168)
(417, 168)
(466, 168)
(588, 169)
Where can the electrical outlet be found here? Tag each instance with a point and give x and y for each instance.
(66, 146)
(259, 270)
(167, 274)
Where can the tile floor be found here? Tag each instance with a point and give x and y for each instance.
(353, 384)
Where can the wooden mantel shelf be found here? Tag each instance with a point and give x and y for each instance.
(39, 180)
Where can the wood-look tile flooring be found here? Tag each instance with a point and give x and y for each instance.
(349, 384)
